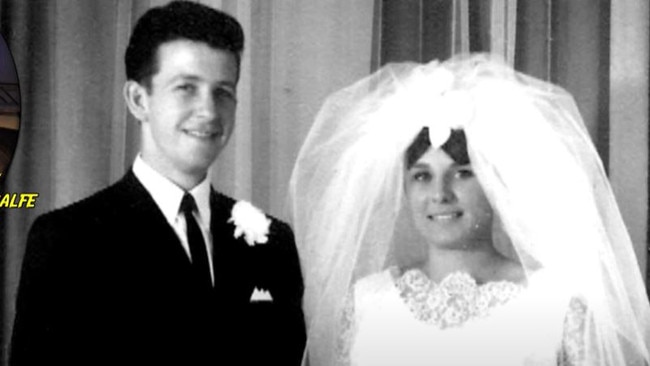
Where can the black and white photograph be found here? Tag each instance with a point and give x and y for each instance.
(325, 182)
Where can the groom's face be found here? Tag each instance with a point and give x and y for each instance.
(189, 107)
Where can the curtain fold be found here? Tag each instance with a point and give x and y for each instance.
(628, 114)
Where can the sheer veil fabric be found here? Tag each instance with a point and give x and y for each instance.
(534, 159)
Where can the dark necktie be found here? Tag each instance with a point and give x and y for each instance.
(198, 251)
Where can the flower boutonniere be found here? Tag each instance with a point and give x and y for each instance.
(250, 222)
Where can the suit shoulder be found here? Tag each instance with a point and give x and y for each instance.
(100, 203)
(64, 230)
(280, 226)
(224, 201)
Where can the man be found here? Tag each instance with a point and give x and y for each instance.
(142, 273)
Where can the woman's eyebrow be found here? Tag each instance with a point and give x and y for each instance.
(419, 165)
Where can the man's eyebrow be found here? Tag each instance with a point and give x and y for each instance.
(230, 84)
(189, 77)
(192, 77)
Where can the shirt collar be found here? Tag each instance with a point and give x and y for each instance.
(168, 195)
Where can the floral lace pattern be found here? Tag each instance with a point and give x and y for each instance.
(455, 300)
(343, 343)
(573, 347)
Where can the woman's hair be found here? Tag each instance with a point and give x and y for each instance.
(455, 147)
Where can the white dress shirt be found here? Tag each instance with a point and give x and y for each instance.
(168, 196)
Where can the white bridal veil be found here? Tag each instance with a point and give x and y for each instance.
(532, 155)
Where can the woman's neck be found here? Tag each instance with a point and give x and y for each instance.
(482, 262)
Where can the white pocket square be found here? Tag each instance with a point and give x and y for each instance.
(260, 295)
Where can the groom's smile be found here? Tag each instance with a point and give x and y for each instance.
(189, 108)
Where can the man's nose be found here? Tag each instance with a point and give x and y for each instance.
(207, 108)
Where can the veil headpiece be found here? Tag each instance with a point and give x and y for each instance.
(530, 151)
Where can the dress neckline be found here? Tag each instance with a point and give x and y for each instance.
(453, 301)
(397, 274)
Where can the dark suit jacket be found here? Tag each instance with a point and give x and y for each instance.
(106, 281)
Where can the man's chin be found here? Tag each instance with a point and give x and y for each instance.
(202, 156)
(199, 165)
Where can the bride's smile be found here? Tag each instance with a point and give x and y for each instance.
(447, 203)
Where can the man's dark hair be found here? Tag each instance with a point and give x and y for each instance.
(455, 147)
(179, 20)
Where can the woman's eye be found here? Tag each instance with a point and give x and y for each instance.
(464, 173)
(421, 176)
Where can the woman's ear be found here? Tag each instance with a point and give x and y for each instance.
(136, 97)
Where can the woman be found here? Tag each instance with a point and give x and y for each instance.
(457, 213)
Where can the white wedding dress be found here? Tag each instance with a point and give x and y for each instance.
(583, 301)
(405, 319)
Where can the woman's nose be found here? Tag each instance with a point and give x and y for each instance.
(441, 191)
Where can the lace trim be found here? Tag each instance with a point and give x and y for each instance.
(572, 352)
(456, 300)
(347, 324)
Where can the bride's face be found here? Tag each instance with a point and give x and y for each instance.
(447, 203)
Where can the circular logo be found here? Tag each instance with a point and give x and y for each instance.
(9, 108)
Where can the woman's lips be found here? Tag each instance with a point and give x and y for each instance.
(445, 216)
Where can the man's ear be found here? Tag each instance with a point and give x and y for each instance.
(136, 97)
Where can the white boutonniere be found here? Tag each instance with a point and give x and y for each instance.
(250, 222)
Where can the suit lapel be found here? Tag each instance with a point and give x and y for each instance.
(158, 236)
(231, 258)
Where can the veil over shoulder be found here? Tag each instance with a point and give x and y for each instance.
(534, 159)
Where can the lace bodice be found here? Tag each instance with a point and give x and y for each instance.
(455, 300)
(457, 311)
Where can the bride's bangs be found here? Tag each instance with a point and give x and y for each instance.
(455, 147)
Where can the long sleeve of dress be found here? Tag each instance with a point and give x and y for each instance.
(348, 330)
(572, 352)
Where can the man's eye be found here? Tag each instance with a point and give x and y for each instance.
(223, 93)
(186, 88)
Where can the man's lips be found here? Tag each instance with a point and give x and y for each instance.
(203, 133)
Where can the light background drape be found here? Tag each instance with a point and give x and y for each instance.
(76, 136)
